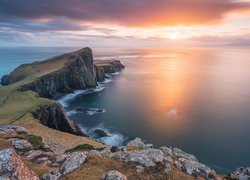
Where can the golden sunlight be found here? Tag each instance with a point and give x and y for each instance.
(173, 36)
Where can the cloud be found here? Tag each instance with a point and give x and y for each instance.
(141, 13)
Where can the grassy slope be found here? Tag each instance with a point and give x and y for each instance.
(15, 106)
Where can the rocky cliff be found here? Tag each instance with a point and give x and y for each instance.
(53, 116)
(77, 73)
(57, 76)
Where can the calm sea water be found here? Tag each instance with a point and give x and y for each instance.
(194, 99)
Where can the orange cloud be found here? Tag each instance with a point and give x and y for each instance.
(139, 13)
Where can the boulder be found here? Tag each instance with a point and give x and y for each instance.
(167, 151)
(100, 133)
(43, 160)
(33, 154)
(72, 162)
(137, 142)
(61, 158)
(114, 175)
(177, 164)
(146, 157)
(139, 169)
(52, 176)
(21, 144)
(195, 168)
(181, 154)
(106, 152)
(10, 128)
(94, 153)
(21, 130)
(168, 159)
(11, 167)
(167, 168)
(241, 173)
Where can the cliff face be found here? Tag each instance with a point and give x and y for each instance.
(77, 73)
(54, 78)
(53, 116)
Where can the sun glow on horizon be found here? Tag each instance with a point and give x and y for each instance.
(173, 36)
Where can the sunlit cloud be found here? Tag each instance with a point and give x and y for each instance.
(111, 22)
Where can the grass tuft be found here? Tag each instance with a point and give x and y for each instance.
(81, 147)
(36, 141)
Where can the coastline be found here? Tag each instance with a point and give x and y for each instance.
(180, 160)
(111, 138)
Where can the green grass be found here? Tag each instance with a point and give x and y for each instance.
(81, 147)
(36, 141)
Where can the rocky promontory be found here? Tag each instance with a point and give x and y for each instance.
(53, 78)
(39, 141)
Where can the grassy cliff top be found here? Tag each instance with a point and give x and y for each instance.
(16, 106)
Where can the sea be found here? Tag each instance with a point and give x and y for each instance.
(197, 99)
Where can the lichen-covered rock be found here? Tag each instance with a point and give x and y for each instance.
(177, 164)
(11, 167)
(167, 168)
(43, 161)
(139, 169)
(137, 142)
(181, 154)
(33, 154)
(241, 174)
(147, 157)
(195, 168)
(52, 176)
(114, 175)
(94, 153)
(61, 158)
(21, 144)
(10, 131)
(166, 150)
(106, 152)
(72, 162)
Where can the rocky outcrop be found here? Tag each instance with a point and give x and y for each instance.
(53, 116)
(113, 175)
(72, 71)
(13, 76)
(137, 142)
(146, 157)
(21, 144)
(11, 167)
(100, 74)
(111, 66)
(77, 73)
(72, 162)
(241, 174)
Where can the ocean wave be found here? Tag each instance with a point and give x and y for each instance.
(65, 99)
(99, 87)
(106, 80)
(115, 73)
(70, 113)
(112, 138)
(91, 113)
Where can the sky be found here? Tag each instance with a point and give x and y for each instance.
(125, 23)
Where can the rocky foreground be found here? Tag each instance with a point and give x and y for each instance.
(26, 152)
